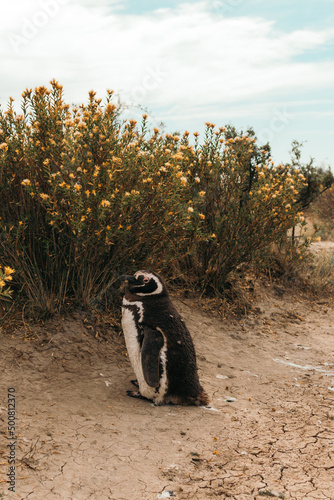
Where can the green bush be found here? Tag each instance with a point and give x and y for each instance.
(246, 201)
(317, 179)
(86, 196)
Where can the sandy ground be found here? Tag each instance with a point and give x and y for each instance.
(322, 246)
(269, 431)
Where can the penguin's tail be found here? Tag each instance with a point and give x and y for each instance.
(202, 399)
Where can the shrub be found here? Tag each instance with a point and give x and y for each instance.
(317, 179)
(86, 196)
(247, 204)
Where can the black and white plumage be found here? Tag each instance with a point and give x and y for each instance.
(159, 344)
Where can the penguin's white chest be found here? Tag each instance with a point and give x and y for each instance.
(132, 316)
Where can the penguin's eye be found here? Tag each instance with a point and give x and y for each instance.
(146, 279)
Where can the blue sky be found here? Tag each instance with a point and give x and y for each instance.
(269, 65)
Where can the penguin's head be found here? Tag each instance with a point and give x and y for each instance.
(145, 284)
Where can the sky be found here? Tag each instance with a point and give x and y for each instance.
(248, 63)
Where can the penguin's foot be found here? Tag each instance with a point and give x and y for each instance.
(135, 383)
(135, 394)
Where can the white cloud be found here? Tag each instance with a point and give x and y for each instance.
(185, 59)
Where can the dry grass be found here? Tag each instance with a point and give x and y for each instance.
(320, 215)
(319, 272)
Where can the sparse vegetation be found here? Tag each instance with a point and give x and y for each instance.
(86, 196)
(321, 215)
(317, 179)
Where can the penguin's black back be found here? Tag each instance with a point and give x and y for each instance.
(182, 375)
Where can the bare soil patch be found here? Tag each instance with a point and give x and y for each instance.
(269, 431)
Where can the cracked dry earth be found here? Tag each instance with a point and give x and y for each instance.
(269, 431)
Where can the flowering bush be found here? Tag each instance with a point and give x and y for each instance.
(86, 196)
(242, 203)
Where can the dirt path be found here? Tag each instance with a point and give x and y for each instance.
(269, 432)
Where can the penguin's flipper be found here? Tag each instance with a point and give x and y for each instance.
(152, 344)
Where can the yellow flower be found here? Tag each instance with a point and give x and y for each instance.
(77, 187)
(202, 216)
(202, 193)
(4, 146)
(9, 270)
(183, 180)
(197, 179)
(26, 182)
(110, 108)
(69, 122)
(71, 176)
(190, 209)
(105, 203)
(44, 196)
(2, 283)
(213, 235)
(178, 156)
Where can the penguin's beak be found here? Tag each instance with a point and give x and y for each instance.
(128, 279)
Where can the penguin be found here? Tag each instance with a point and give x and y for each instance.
(159, 345)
